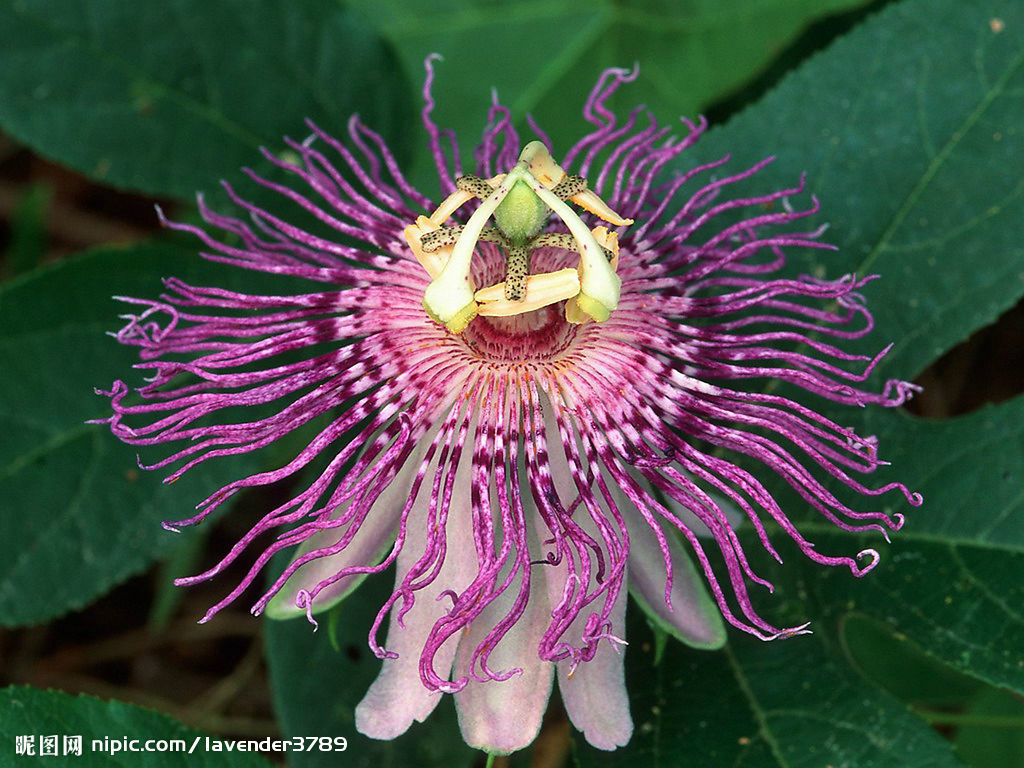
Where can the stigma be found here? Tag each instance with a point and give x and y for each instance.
(514, 209)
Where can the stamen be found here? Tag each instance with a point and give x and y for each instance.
(541, 165)
(599, 285)
(520, 202)
(589, 201)
(540, 291)
(432, 261)
(475, 186)
(570, 186)
(517, 268)
(449, 298)
(443, 236)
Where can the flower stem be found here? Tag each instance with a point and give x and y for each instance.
(960, 719)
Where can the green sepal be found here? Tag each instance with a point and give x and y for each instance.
(593, 308)
(457, 322)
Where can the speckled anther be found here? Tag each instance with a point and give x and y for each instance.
(439, 238)
(474, 185)
(517, 267)
(570, 186)
(561, 240)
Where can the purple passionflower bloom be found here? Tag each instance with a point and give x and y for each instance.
(523, 414)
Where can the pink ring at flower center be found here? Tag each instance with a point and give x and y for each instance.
(543, 335)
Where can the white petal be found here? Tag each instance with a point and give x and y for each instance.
(367, 547)
(398, 696)
(595, 696)
(504, 716)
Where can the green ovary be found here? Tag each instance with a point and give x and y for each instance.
(521, 214)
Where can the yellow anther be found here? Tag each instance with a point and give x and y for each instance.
(541, 165)
(549, 173)
(591, 291)
(589, 201)
(610, 241)
(432, 261)
(541, 290)
(451, 204)
(581, 308)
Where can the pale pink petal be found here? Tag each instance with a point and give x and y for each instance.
(368, 547)
(398, 697)
(595, 695)
(503, 716)
(694, 617)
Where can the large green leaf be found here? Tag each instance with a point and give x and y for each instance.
(76, 514)
(543, 57)
(953, 580)
(28, 231)
(979, 743)
(167, 97)
(343, 668)
(757, 705)
(125, 734)
(909, 131)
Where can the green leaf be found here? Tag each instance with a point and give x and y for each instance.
(164, 98)
(325, 701)
(78, 516)
(909, 131)
(123, 732)
(544, 57)
(988, 721)
(953, 579)
(902, 668)
(754, 705)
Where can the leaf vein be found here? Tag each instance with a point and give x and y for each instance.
(933, 168)
(760, 716)
(983, 587)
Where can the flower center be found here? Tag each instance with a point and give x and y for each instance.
(538, 336)
(519, 202)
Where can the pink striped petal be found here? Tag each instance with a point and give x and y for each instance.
(368, 547)
(500, 717)
(595, 694)
(397, 698)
